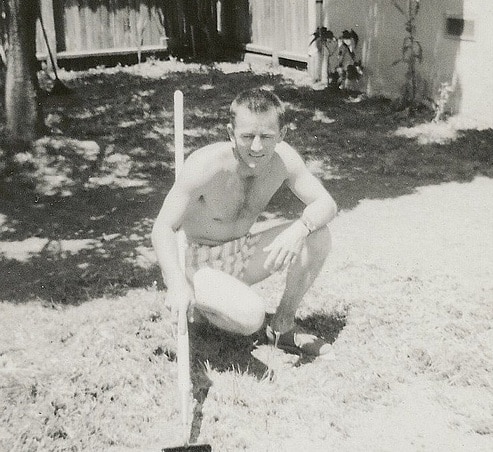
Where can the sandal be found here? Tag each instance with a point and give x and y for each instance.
(297, 343)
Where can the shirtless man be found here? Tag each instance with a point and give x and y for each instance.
(221, 191)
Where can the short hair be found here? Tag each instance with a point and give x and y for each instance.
(258, 100)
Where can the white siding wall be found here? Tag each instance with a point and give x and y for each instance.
(380, 27)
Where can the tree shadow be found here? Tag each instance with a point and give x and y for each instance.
(130, 117)
(92, 245)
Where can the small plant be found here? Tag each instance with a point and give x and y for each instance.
(325, 44)
(349, 69)
(444, 92)
(443, 97)
(412, 53)
(323, 37)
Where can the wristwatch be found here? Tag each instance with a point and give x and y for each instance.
(307, 225)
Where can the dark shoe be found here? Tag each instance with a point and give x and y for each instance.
(298, 343)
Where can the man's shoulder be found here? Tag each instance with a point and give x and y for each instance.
(289, 156)
(283, 148)
(211, 154)
(204, 163)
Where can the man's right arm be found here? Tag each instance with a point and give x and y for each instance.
(164, 241)
(163, 236)
(197, 170)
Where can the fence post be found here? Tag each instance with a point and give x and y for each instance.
(315, 8)
(276, 26)
(324, 52)
(49, 24)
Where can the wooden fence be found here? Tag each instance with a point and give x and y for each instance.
(91, 27)
(85, 27)
(110, 24)
(280, 28)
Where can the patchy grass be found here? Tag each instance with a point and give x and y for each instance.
(87, 355)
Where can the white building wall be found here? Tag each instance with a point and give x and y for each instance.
(467, 64)
(475, 62)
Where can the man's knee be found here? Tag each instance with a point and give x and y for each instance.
(245, 325)
(228, 303)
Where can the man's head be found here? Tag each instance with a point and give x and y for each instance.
(257, 126)
(258, 100)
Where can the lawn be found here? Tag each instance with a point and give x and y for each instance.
(87, 354)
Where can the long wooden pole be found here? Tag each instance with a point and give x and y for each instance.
(183, 346)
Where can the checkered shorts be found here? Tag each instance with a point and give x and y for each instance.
(230, 257)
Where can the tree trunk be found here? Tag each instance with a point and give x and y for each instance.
(22, 106)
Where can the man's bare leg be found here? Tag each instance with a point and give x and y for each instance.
(227, 303)
(300, 275)
(239, 313)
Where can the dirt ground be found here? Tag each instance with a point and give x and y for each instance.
(87, 354)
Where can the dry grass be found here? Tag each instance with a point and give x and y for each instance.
(405, 296)
(86, 377)
(411, 367)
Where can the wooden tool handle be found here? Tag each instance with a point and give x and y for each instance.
(183, 346)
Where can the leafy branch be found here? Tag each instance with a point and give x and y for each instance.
(323, 37)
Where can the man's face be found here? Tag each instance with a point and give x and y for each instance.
(255, 136)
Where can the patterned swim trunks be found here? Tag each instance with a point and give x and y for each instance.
(230, 257)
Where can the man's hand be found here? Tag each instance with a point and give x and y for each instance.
(178, 297)
(286, 247)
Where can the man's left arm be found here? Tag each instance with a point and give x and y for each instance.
(320, 206)
(320, 209)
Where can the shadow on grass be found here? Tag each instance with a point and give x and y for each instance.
(326, 327)
(130, 117)
(222, 351)
(74, 249)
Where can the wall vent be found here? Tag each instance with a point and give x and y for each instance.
(456, 27)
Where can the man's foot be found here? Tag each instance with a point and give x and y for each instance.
(297, 342)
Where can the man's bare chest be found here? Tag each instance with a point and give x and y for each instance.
(234, 200)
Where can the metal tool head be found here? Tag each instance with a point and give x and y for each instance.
(190, 447)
